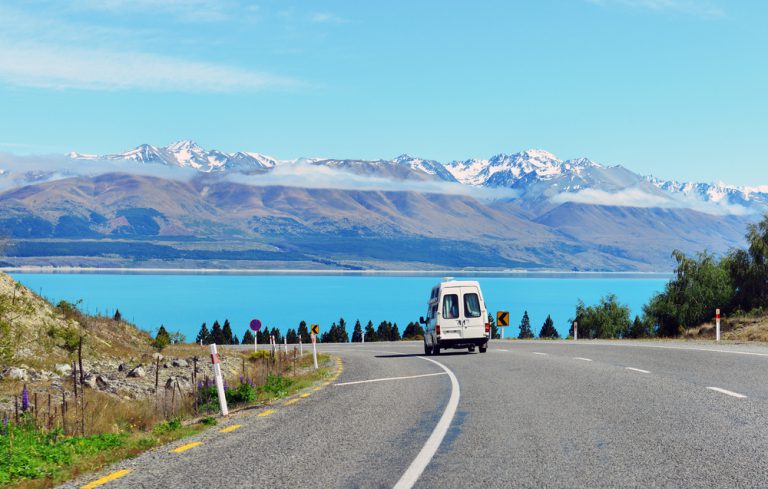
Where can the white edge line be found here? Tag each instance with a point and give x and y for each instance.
(390, 378)
(729, 393)
(539, 353)
(412, 474)
(665, 347)
(638, 370)
(583, 359)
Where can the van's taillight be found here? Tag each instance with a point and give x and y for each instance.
(437, 329)
(487, 327)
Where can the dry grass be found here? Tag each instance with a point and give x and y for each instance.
(736, 328)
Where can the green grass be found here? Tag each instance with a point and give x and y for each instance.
(31, 458)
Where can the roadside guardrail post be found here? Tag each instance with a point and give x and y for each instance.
(219, 381)
(314, 350)
(717, 324)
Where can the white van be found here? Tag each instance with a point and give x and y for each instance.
(456, 318)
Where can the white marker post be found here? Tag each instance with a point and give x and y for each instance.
(219, 381)
(575, 331)
(256, 341)
(314, 350)
(362, 337)
(285, 343)
(717, 324)
(301, 347)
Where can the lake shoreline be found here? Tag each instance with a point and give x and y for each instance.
(310, 272)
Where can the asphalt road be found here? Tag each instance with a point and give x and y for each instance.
(524, 414)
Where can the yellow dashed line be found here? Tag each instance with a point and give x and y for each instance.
(266, 413)
(105, 479)
(186, 447)
(305, 395)
(317, 389)
(326, 383)
(230, 428)
(291, 401)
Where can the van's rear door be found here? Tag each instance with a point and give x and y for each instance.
(451, 320)
(473, 324)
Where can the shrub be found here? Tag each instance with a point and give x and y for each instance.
(276, 385)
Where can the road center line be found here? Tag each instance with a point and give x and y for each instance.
(728, 393)
(107, 478)
(583, 359)
(186, 447)
(638, 370)
(414, 471)
(390, 378)
(540, 353)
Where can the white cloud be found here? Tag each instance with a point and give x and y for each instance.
(46, 66)
(326, 18)
(16, 170)
(702, 8)
(318, 176)
(635, 197)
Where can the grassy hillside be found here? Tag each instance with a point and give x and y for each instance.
(35, 333)
(747, 327)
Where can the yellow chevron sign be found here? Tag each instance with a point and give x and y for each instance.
(502, 318)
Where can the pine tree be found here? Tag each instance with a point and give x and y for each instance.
(548, 329)
(117, 316)
(162, 339)
(413, 331)
(525, 327)
(217, 335)
(263, 336)
(235, 341)
(247, 337)
(291, 336)
(394, 334)
(341, 332)
(357, 333)
(495, 334)
(203, 335)
(304, 332)
(384, 331)
(278, 337)
(370, 333)
(226, 333)
(638, 329)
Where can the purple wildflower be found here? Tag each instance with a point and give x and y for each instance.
(5, 424)
(241, 378)
(25, 399)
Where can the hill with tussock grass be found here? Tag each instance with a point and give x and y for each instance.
(743, 327)
(36, 333)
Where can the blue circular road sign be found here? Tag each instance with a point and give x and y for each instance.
(256, 325)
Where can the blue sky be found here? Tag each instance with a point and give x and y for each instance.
(676, 88)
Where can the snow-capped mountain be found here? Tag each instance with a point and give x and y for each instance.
(539, 178)
(188, 154)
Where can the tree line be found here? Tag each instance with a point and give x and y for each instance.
(736, 283)
(337, 333)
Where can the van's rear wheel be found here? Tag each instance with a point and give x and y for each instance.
(483, 349)
(427, 350)
(435, 349)
(471, 349)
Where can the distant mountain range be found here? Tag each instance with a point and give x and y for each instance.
(538, 176)
(232, 212)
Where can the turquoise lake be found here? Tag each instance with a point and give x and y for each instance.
(182, 302)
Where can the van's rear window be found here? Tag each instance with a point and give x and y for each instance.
(471, 306)
(450, 306)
